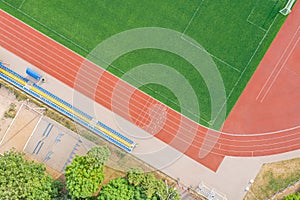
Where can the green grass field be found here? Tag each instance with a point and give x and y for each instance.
(235, 33)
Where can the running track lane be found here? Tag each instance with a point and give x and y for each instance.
(60, 62)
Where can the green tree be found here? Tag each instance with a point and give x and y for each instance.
(83, 177)
(98, 154)
(120, 189)
(135, 176)
(166, 192)
(149, 184)
(22, 179)
(292, 197)
(153, 188)
(158, 189)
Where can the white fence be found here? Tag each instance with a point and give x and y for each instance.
(210, 193)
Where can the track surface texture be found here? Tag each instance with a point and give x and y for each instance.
(246, 132)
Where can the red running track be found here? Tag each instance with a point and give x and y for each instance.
(141, 109)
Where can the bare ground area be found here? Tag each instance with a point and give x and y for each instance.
(6, 99)
(273, 177)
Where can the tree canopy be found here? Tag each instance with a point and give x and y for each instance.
(83, 178)
(98, 154)
(22, 179)
(135, 176)
(139, 186)
(153, 188)
(120, 189)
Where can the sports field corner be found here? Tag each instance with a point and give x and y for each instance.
(258, 125)
(270, 101)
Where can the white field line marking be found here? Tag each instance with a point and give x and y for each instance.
(266, 142)
(260, 134)
(277, 74)
(252, 151)
(219, 59)
(250, 14)
(48, 28)
(229, 152)
(193, 16)
(21, 5)
(277, 64)
(252, 22)
(186, 28)
(9, 4)
(132, 85)
(12, 122)
(256, 25)
(244, 70)
(278, 148)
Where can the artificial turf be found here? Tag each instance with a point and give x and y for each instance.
(235, 33)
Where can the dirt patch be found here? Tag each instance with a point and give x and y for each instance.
(274, 177)
(111, 174)
(11, 112)
(6, 99)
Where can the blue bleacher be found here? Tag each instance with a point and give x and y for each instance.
(115, 132)
(68, 114)
(14, 73)
(62, 101)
